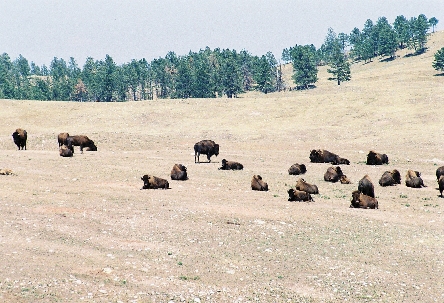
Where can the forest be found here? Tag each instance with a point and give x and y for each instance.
(210, 73)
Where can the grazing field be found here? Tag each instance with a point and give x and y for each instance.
(80, 229)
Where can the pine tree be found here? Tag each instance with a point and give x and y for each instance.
(438, 63)
(339, 65)
(304, 65)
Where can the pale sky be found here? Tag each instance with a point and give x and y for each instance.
(43, 29)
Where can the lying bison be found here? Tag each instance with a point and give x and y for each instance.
(61, 139)
(154, 182)
(64, 151)
(366, 186)
(390, 178)
(374, 158)
(179, 172)
(441, 185)
(297, 169)
(82, 141)
(413, 179)
(231, 165)
(359, 200)
(258, 184)
(324, 156)
(439, 172)
(298, 195)
(206, 147)
(334, 174)
(20, 136)
(302, 185)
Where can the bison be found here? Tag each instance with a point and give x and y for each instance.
(258, 184)
(334, 174)
(413, 179)
(390, 178)
(154, 182)
(64, 151)
(179, 172)
(359, 200)
(366, 187)
(374, 158)
(439, 172)
(297, 169)
(20, 136)
(302, 185)
(298, 195)
(441, 184)
(227, 165)
(324, 156)
(61, 139)
(206, 147)
(82, 141)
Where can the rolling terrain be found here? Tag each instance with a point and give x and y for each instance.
(80, 229)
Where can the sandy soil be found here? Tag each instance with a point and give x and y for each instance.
(81, 230)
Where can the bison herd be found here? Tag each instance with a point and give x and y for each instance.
(363, 197)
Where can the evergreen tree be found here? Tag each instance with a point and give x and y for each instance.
(230, 74)
(339, 66)
(304, 65)
(402, 30)
(418, 33)
(438, 63)
(386, 38)
(433, 22)
(89, 77)
(7, 87)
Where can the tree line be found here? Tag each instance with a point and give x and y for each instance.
(204, 74)
(210, 73)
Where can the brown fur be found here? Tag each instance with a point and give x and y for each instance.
(82, 141)
(359, 200)
(324, 156)
(366, 186)
(61, 139)
(439, 172)
(298, 195)
(64, 151)
(206, 147)
(179, 172)
(258, 184)
(231, 165)
(389, 178)
(413, 179)
(297, 169)
(20, 136)
(302, 185)
(374, 158)
(154, 182)
(344, 180)
(334, 174)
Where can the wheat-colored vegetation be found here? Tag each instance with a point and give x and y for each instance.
(80, 229)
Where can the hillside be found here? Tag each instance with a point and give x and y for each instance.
(80, 229)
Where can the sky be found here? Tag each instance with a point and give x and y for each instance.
(40, 30)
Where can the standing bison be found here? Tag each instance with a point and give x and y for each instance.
(179, 172)
(206, 147)
(374, 158)
(20, 136)
(390, 178)
(82, 141)
(413, 179)
(258, 184)
(297, 169)
(302, 185)
(154, 182)
(359, 200)
(231, 165)
(366, 186)
(61, 139)
(324, 156)
(334, 174)
(298, 195)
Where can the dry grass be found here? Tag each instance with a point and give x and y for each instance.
(81, 230)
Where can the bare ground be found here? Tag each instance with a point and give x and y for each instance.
(81, 230)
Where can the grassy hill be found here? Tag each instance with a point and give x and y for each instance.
(80, 229)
